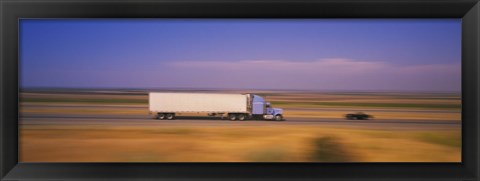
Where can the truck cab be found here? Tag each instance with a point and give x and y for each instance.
(264, 110)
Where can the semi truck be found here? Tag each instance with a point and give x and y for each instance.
(167, 105)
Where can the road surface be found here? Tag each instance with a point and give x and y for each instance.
(208, 121)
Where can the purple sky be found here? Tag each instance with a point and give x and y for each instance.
(328, 54)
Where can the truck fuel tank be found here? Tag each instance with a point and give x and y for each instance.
(268, 116)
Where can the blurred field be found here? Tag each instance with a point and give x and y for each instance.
(82, 140)
(235, 144)
(382, 105)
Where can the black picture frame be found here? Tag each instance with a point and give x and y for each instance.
(12, 10)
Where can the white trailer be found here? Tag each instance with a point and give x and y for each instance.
(165, 105)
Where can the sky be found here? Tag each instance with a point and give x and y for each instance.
(292, 54)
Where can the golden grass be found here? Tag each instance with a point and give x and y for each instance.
(232, 144)
(240, 143)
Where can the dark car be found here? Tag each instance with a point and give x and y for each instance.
(358, 116)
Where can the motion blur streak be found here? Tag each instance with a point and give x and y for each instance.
(114, 126)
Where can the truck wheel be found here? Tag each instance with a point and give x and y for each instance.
(232, 117)
(161, 116)
(241, 117)
(170, 116)
(278, 118)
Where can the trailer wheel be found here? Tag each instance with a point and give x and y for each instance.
(161, 116)
(232, 117)
(241, 117)
(170, 116)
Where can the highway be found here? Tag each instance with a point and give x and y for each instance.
(145, 107)
(116, 120)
